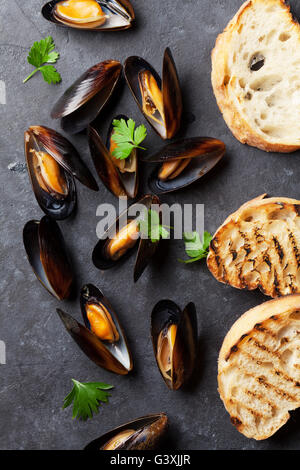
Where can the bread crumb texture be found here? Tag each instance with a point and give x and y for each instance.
(256, 76)
(259, 367)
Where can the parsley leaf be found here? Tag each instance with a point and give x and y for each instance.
(151, 227)
(127, 138)
(194, 247)
(43, 53)
(50, 74)
(86, 398)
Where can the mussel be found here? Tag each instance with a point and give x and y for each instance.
(119, 176)
(46, 252)
(95, 15)
(52, 162)
(120, 239)
(174, 338)
(183, 162)
(102, 338)
(82, 102)
(144, 433)
(159, 99)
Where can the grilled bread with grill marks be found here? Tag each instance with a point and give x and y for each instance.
(259, 367)
(255, 76)
(258, 246)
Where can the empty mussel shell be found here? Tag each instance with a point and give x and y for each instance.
(159, 99)
(174, 338)
(119, 176)
(92, 15)
(52, 162)
(183, 162)
(144, 433)
(118, 242)
(46, 252)
(82, 102)
(102, 338)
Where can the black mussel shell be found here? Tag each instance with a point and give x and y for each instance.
(149, 433)
(119, 15)
(164, 314)
(114, 357)
(57, 206)
(169, 85)
(82, 102)
(171, 94)
(146, 249)
(46, 252)
(61, 149)
(205, 153)
(118, 183)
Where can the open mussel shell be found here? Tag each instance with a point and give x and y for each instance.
(119, 176)
(102, 254)
(108, 15)
(166, 93)
(111, 354)
(46, 252)
(144, 433)
(174, 338)
(82, 102)
(52, 162)
(200, 154)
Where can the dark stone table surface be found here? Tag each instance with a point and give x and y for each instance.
(41, 357)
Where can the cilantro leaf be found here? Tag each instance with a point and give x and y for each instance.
(151, 227)
(126, 137)
(86, 398)
(194, 247)
(41, 53)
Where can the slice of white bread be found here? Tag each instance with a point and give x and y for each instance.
(259, 367)
(258, 246)
(256, 76)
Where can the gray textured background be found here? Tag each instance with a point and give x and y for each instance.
(41, 357)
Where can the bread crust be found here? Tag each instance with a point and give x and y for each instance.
(218, 251)
(241, 329)
(219, 76)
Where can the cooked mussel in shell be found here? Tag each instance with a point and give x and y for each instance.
(86, 13)
(183, 162)
(101, 322)
(47, 254)
(120, 239)
(101, 337)
(84, 99)
(174, 338)
(145, 433)
(49, 174)
(165, 347)
(96, 15)
(152, 98)
(52, 162)
(124, 240)
(119, 176)
(159, 99)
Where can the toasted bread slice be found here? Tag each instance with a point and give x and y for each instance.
(256, 76)
(259, 367)
(258, 246)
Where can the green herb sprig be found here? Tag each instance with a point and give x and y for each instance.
(87, 398)
(151, 227)
(127, 137)
(40, 56)
(194, 247)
